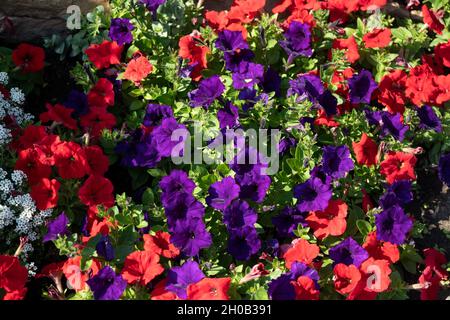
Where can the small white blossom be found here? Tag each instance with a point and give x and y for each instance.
(17, 96)
(4, 78)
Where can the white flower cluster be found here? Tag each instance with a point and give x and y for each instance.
(11, 107)
(19, 216)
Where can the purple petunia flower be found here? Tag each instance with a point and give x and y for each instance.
(228, 116)
(429, 119)
(120, 31)
(393, 225)
(56, 228)
(243, 243)
(146, 153)
(288, 220)
(397, 193)
(393, 125)
(248, 75)
(208, 90)
(222, 193)
(165, 136)
(179, 278)
(286, 144)
(107, 285)
(348, 252)
(78, 101)
(248, 159)
(183, 207)
(234, 59)
(313, 195)
(281, 287)
(298, 40)
(176, 184)
(328, 102)
(306, 85)
(105, 248)
(373, 117)
(336, 161)
(271, 81)
(228, 40)
(444, 168)
(152, 5)
(254, 185)
(238, 215)
(190, 236)
(361, 87)
(155, 113)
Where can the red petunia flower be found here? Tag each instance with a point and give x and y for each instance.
(324, 120)
(282, 6)
(28, 161)
(301, 251)
(378, 38)
(76, 278)
(433, 274)
(380, 250)
(442, 53)
(346, 278)
(97, 190)
(192, 49)
(431, 19)
(398, 166)
(443, 83)
(105, 54)
(161, 245)
(160, 292)
(376, 274)
(138, 69)
(97, 162)
(305, 289)
(420, 87)
(29, 58)
(30, 136)
(367, 203)
(245, 11)
(209, 289)
(59, 114)
(46, 149)
(102, 94)
(366, 151)
(16, 295)
(217, 20)
(52, 270)
(331, 221)
(350, 46)
(299, 15)
(141, 267)
(13, 276)
(97, 120)
(70, 160)
(45, 193)
(340, 9)
(392, 91)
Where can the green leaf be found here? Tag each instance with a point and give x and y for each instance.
(260, 294)
(363, 226)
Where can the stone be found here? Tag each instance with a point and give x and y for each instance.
(30, 20)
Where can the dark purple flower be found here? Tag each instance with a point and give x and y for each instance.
(208, 90)
(179, 278)
(155, 113)
(401, 190)
(444, 168)
(57, 227)
(248, 159)
(250, 95)
(298, 40)
(328, 102)
(228, 40)
(78, 101)
(393, 125)
(248, 75)
(146, 154)
(183, 207)
(429, 119)
(361, 87)
(313, 195)
(288, 220)
(239, 214)
(152, 5)
(105, 248)
(107, 285)
(286, 144)
(234, 59)
(336, 161)
(169, 135)
(120, 31)
(190, 236)
(393, 225)
(271, 81)
(373, 117)
(281, 288)
(254, 185)
(308, 85)
(243, 243)
(228, 116)
(348, 252)
(222, 193)
(175, 185)
(318, 172)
